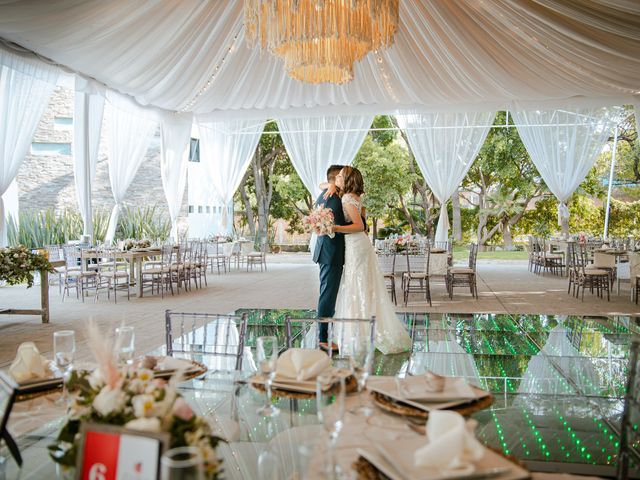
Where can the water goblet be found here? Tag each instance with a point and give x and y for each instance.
(361, 351)
(64, 348)
(182, 463)
(267, 353)
(125, 343)
(330, 399)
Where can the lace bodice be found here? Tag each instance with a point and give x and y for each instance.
(349, 199)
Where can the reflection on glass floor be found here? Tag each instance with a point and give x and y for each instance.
(558, 381)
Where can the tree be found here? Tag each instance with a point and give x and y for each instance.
(258, 182)
(384, 169)
(504, 179)
(291, 200)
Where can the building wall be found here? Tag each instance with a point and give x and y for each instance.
(46, 180)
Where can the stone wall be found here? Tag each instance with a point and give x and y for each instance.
(46, 181)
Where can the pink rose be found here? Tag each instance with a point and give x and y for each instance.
(182, 410)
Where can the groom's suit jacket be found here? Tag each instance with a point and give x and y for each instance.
(330, 251)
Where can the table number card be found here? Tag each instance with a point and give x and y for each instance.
(115, 453)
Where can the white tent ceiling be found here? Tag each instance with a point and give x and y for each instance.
(190, 55)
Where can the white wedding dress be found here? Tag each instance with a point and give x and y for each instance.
(363, 292)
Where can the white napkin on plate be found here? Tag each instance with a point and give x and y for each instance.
(29, 364)
(171, 363)
(302, 363)
(452, 443)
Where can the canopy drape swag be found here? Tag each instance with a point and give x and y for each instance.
(25, 88)
(564, 145)
(445, 145)
(226, 148)
(130, 131)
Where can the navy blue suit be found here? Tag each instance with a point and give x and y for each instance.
(329, 255)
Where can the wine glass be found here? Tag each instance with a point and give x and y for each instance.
(330, 399)
(64, 348)
(267, 352)
(125, 343)
(182, 463)
(361, 350)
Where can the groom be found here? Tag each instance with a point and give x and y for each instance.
(329, 255)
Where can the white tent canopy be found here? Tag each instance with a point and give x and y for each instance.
(464, 55)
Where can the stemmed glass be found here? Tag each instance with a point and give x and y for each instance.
(125, 343)
(267, 352)
(330, 405)
(361, 361)
(182, 463)
(64, 348)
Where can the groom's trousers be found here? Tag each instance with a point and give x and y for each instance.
(330, 276)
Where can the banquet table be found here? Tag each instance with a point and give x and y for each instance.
(231, 407)
(135, 258)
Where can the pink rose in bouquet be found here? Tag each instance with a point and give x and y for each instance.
(320, 221)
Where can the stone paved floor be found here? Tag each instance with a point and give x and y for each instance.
(290, 282)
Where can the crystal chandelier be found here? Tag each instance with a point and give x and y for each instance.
(320, 39)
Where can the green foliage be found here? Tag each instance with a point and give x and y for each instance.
(624, 219)
(383, 137)
(143, 222)
(40, 228)
(386, 175)
(17, 265)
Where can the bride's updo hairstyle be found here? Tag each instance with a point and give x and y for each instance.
(353, 182)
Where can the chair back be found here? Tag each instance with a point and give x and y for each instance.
(216, 340)
(634, 267)
(417, 262)
(387, 263)
(629, 435)
(305, 332)
(438, 264)
(72, 255)
(604, 260)
(473, 256)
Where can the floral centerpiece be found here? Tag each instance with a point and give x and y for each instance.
(17, 265)
(404, 243)
(319, 221)
(130, 243)
(132, 398)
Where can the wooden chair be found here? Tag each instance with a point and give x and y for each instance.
(160, 273)
(416, 279)
(258, 257)
(464, 276)
(387, 264)
(218, 341)
(216, 258)
(112, 275)
(593, 278)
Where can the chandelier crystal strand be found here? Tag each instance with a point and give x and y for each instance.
(319, 40)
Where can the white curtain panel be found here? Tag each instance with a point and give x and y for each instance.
(227, 148)
(313, 144)
(87, 126)
(175, 133)
(130, 131)
(25, 88)
(445, 145)
(564, 145)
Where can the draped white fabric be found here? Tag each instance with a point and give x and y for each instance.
(175, 133)
(447, 55)
(445, 145)
(130, 131)
(25, 88)
(87, 126)
(564, 145)
(226, 148)
(313, 144)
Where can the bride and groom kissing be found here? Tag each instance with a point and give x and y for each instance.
(351, 283)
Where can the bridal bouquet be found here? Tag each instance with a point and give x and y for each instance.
(320, 221)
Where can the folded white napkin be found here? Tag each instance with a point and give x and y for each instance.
(302, 363)
(170, 363)
(452, 443)
(29, 364)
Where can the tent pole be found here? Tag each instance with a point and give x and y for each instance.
(611, 171)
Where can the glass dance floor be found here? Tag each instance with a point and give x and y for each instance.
(558, 381)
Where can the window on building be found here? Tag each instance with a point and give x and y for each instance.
(191, 209)
(199, 208)
(194, 150)
(63, 123)
(208, 209)
(50, 149)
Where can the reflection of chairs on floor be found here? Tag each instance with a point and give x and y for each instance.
(629, 434)
(305, 332)
(218, 341)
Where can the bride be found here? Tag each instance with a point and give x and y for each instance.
(362, 291)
